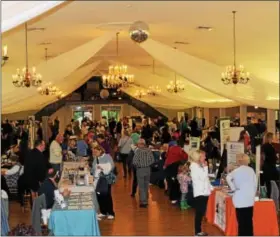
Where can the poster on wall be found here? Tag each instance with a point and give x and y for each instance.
(220, 210)
(234, 149)
(194, 143)
(258, 163)
(224, 132)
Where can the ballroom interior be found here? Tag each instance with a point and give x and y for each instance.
(71, 60)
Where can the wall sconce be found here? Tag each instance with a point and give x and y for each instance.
(4, 55)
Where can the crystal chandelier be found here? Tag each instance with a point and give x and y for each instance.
(117, 76)
(25, 77)
(154, 90)
(4, 55)
(140, 94)
(175, 86)
(60, 95)
(49, 89)
(233, 74)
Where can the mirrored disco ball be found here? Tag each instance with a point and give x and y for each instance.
(139, 31)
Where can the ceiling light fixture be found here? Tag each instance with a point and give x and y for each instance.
(234, 75)
(207, 28)
(25, 78)
(117, 74)
(140, 94)
(154, 90)
(4, 55)
(48, 89)
(175, 86)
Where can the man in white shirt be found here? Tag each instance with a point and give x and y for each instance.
(243, 182)
(56, 153)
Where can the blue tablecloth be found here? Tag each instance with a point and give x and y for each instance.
(74, 223)
(79, 222)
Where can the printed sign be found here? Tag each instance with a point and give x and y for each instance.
(234, 149)
(224, 132)
(220, 210)
(194, 143)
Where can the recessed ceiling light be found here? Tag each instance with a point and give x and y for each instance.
(120, 98)
(207, 28)
(45, 43)
(128, 5)
(256, 107)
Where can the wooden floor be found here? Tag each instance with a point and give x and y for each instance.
(160, 218)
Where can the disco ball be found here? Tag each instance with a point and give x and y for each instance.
(139, 31)
(104, 94)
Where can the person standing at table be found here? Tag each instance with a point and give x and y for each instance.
(35, 168)
(142, 160)
(56, 153)
(125, 148)
(105, 201)
(243, 182)
(201, 187)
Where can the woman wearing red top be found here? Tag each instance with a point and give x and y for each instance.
(174, 157)
(244, 137)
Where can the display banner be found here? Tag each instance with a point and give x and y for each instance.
(234, 149)
(224, 132)
(220, 210)
(235, 133)
(194, 143)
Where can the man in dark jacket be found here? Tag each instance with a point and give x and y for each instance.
(35, 167)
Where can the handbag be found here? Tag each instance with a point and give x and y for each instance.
(102, 186)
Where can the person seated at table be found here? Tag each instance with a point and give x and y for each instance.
(48, 187)
(12, 175)
(82, 146)
(243, 182)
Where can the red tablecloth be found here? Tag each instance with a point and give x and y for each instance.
(264, 219)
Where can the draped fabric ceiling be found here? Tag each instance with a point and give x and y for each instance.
(80, 37)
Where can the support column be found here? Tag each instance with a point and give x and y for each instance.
(271, 121)
(243, 115)
(206, 116)
(222, 112)
(45, 128)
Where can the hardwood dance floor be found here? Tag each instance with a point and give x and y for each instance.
(160, 218)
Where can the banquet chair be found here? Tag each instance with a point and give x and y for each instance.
(38, 205)
(275, 194)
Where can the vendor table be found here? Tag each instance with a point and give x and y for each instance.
(221, 212)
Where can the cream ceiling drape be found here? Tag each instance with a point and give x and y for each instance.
(207, 75)
(54, 70)
(15, 13)
(68, 85)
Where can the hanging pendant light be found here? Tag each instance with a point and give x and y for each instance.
(234, 74)
(27, 77)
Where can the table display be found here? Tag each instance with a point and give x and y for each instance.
(264, 219)
(76, 177)
(78, 218)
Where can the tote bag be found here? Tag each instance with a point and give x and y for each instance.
(102, 183)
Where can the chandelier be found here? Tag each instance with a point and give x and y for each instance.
(4, 55)
(153, 90)
(25, 77)
(233, 74)
(140, 94)
(60, 95)
(49, 89)
(117, 76)
(175, 86)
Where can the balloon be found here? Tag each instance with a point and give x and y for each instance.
(104, 94)
(139, 31)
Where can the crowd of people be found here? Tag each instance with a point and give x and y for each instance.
(154, 151)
